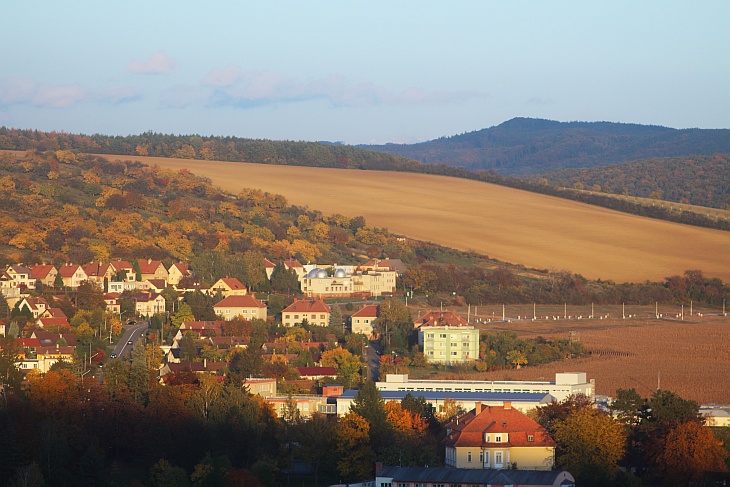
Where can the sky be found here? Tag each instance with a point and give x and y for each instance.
(359, 72)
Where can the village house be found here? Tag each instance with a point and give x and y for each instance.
(42, 357)
(8, 286)
(498, 437)
(264, 387)
(97, 272)
(152, 269)
(202, 367)
(35, 306)
(122, 266)
(296, 266)
(46, 274)
(363, 320)
(228, 286)
(3, 328)
(245, 307)
(22, 276)
(269, 268)
(177, 272)
(315, 311)
(112, 302)
(148, 304)
(73, 275)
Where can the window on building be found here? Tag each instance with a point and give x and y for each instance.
(498, 438)
(498, 458)
(468, 457)
(481, 457)
(530, 438)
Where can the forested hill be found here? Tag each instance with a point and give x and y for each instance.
(233, 149)
(532, 146)
(698, 180)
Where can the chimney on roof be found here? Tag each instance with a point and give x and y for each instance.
(507, 404)
(478, 408)
(149, 261)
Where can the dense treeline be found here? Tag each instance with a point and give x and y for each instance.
(532, 146)
(234, 149)
(315, 155)
(697, 180)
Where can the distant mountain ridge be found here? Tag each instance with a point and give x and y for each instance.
(532, 146)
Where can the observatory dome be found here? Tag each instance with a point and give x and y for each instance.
(340, 273)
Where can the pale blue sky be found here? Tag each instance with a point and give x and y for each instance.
(366, 72)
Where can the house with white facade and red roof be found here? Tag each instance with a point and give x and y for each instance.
(177, 272)
(45, 273)
(363, 320)
(73, 275)
(152, 269)
(244, 307)
(315, 311)
(498, 437)
(228, 286)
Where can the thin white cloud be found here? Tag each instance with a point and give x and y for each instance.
(17, 91)
(122, 94)
(158, 63)
(233, 86)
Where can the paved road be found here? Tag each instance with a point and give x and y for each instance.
(131, 333)
(373, 359)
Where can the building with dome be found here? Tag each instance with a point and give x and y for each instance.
(347, 281)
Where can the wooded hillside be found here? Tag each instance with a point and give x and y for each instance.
(531, 146)
(697, 180)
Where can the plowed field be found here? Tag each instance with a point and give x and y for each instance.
(510, 225)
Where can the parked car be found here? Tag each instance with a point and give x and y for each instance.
(114, 355)
(130, 342)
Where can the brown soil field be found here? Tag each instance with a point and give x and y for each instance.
(690, 357)
(509, 225)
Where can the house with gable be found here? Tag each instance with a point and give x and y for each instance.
(112, 302)
(3, 328)
(152, 269)
(228, 286)
(315, 311)
(73, 275)
(126, 267)
(36, 306)
(269, 268)
(245, 307)
(22, 276)
(148, 304)
(363, 320)
(46, 274)
(296, 266)
(177, 272)
(8, 286)
(498, 437)
(97, 272)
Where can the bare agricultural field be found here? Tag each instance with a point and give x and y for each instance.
(510, 225)
(689, 357)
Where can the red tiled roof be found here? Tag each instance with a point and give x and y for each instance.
(96, 269)
(68, 270)
(121, 265)
(233, 283)
(149, 266)
(246, 301)
(54, 322)
(470, 429)
(41, 271)
(55, 313)
(292, 263)
(308, 306)
(268, 264)
(368, 311)
(158, 283)
(440, 318)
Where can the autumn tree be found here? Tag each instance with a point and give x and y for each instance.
(356, 457)
(687, 453)
(393, 324)
(590, 446)
(347, 365)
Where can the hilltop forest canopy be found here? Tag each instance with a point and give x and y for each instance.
(532, 146)
(61, 206)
